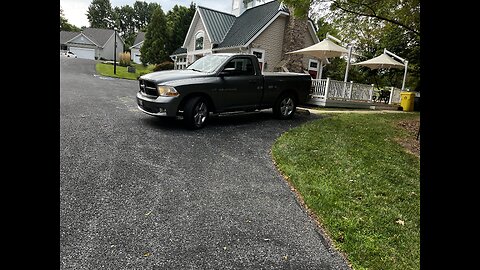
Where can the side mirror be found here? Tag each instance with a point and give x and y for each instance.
(227, 71)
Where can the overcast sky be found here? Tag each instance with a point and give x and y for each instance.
(75, 10)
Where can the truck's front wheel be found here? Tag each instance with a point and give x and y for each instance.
(285, 106)
(196, 112)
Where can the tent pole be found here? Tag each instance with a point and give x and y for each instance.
(404, 75)
(348, 63)
(321, 69)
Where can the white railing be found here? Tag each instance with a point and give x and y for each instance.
(318, 87)
(362, 92)
(394, 95)
(332, 89)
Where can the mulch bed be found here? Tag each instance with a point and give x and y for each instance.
(410, 142)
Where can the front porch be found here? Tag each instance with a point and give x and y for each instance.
(332, 93)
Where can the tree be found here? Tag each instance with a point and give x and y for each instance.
(124, 20)
(154, 49)
(65, 25)
(405, 14)
(97, 12)
(376, 25)
(178, 22)
(371, 26)
(143, 14)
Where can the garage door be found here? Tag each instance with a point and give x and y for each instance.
(83, 52)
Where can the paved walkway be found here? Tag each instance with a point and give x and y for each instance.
(323, 111)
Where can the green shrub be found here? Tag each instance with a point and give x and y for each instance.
(124, 59)
(167, 65)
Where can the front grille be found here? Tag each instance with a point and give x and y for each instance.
(148, 87)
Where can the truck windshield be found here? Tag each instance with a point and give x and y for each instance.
(208, 63)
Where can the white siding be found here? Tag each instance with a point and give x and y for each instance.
(207, 45)
(135, 55)
(107, 51)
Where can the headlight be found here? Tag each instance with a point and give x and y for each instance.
(167, 91)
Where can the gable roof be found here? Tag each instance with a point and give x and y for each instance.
(67, 35)
(98, 35)
(250, 23)
(226, 31)
(140, 38)
(216, 23)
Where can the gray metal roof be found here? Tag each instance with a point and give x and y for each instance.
(67, 35)
(217, 23)
(98, 35)
(180, 51)
(250, 23)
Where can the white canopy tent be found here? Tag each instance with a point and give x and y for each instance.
(324, 50)
(385, 61)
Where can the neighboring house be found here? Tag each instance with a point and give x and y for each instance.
(135, 49)
(254, 28)
(91, 43)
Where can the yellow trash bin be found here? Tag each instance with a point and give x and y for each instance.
(407, 99)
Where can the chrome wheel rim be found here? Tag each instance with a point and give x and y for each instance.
(201, 113)
(286, 107)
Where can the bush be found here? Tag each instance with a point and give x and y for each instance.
(124, 59)
(167, 65)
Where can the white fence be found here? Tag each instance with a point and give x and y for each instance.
(324, 89)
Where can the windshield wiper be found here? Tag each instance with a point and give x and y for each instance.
(194, 69)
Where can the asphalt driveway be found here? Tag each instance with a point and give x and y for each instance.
(139, 192)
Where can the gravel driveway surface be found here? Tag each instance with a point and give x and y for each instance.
(139, 192)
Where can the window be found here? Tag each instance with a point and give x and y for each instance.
(208, 63)
(260, 54)
(243, 66)
(199, 41)
(313, 68)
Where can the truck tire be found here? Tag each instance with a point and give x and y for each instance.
(196, 112)
(285, 106)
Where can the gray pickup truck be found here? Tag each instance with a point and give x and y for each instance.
(219, 83)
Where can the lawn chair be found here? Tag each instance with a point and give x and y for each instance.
(384, 95)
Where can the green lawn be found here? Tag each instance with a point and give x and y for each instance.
(362, 185)
(107, 70)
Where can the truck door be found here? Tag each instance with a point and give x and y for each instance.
(240, 87)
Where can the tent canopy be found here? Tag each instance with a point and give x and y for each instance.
(381, 61)
(324, 49)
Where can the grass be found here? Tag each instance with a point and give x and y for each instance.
(107, 70)
(360, 184)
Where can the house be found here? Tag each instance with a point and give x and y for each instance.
(92, 43)
(252, 27)
(135, 49)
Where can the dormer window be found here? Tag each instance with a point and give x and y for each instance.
(199, 40)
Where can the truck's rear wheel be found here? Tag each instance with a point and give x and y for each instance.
(285, 106)
(195, 113)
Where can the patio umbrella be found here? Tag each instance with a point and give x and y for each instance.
(385, 61)
(381, 61)
(324, 49)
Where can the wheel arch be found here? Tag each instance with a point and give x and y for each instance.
(209, 100)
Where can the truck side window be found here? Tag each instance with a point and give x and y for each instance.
(243, 66)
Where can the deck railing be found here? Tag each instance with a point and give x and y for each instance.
(331, 89)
